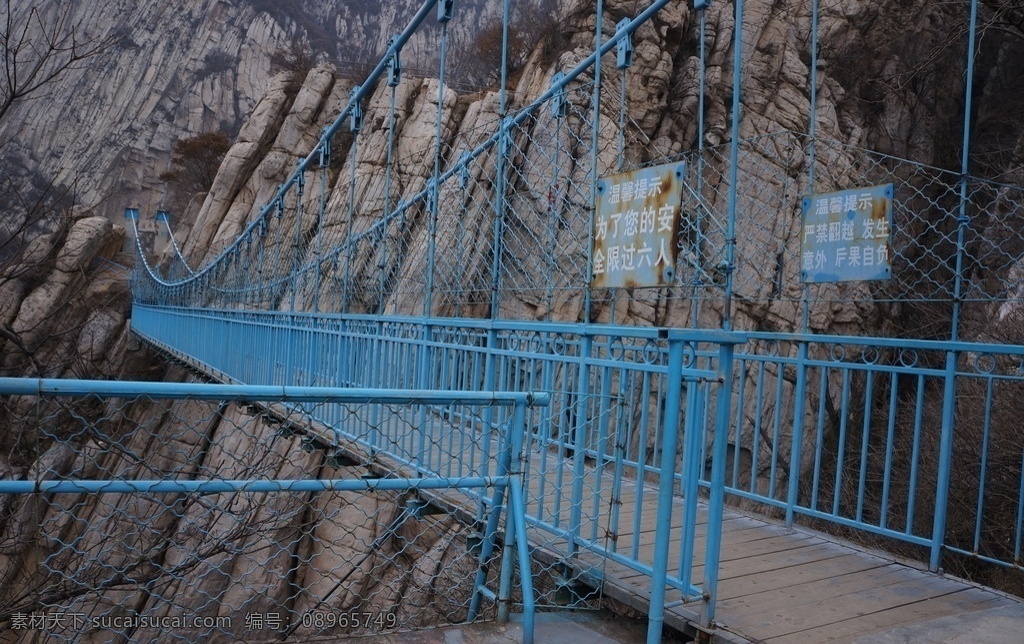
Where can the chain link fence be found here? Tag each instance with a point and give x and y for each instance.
(436, 252)
(205, 515)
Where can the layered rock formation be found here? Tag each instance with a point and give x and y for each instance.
(167, 71)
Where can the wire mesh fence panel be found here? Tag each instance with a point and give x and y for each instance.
(544, 242)
(263, 527)
(400, 262)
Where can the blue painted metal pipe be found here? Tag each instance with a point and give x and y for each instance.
(734, 146)
(203, 391)
(965, 155)
(666, 483)
(716, 501)
(945, 463)
(219, 486)
(517, 515)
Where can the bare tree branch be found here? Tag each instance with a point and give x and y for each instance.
(40, 47)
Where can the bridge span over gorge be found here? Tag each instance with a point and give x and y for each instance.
(472, 402)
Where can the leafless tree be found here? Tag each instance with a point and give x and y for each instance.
(40, 43)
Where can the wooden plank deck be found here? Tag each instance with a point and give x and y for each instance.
(779, 584)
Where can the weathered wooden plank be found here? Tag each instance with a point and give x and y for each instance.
(778, 560)
(956, 603)
(913, 588)
(815, 596)
(837, 567)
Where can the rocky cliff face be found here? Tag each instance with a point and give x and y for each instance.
(867, 99)
(168, 71)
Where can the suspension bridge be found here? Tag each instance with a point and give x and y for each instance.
(422, 394)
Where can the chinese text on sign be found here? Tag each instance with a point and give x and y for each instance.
(636, 228)
(847, 236)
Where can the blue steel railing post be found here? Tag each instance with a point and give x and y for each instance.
(517, 515)
(513, 463)
(734, 153)
(499, 219)
(558, 111)
(700, 5)
(949, 388)
(300, 188)
(423, 364)
(595, 103)
(487, 417)
(511, 452)
(945, 462)
(693, 449)
(963, 220)
(394, 79)
(490, 357)
(355, 126)
(716, 499)
(623, 61)
(579, 443)
(796, 444)
(666, 484)
(432, 190)
(499, 180)
(325, 163)
(444, 16)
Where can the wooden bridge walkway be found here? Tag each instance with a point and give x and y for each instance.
(779, 584)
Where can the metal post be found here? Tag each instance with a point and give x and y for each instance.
(812, 149)
(962, 219)
(513, 465)
(796, 445)
(300, 188)
(734, 153)
(666, 484)
(695, 303)
(558, 112)
(949, 388)
(624, 60)
(354, 126)
(945, 462)
(499, 219)
(579, 442)
(716, 500)
(595, 103)
(434, 187)
(394, 78)
(511, 450)
(693, 464)
(517, 517)
(325, 163)
(499, 184)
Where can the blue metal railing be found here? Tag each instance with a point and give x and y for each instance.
(619, 398)
(883, 447)
(877, 435)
